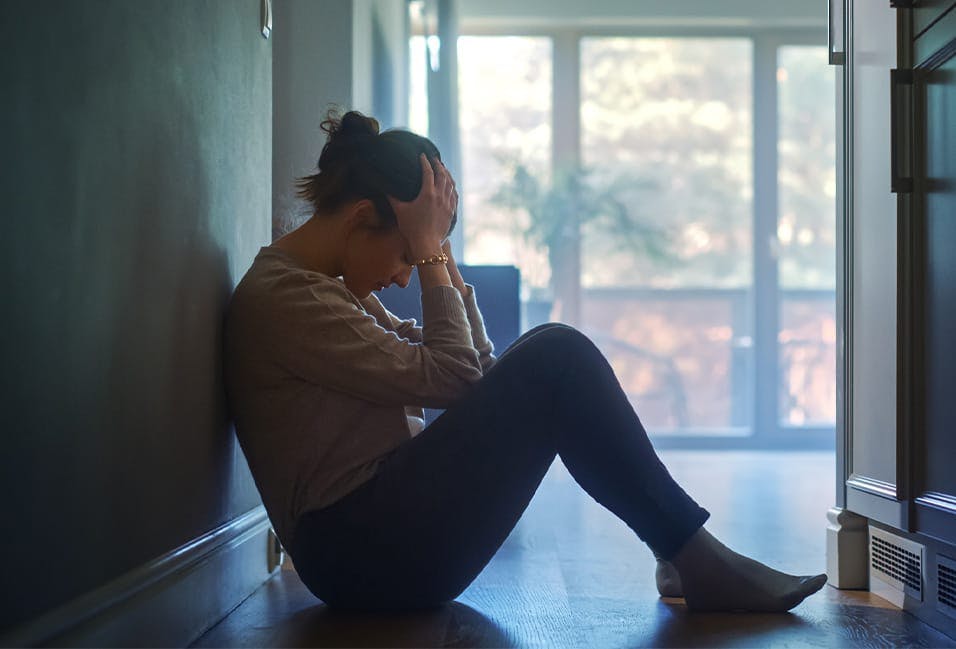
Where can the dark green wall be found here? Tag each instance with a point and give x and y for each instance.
(136, 189)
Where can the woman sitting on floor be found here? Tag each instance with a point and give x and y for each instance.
(326, 387)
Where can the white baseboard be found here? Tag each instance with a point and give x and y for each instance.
(847, 550)
(168, 602)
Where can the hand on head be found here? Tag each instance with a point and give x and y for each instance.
(425, 220)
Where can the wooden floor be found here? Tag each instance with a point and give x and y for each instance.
(572, 575)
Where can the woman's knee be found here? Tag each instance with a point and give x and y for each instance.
(552, 334)
(534, 331)
(560, 341)
(529, 373)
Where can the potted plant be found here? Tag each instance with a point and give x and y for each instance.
(558, 211)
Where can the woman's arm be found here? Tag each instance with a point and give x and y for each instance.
(409, 328)
(453, 272)
(479, 338)
(424, 222)
(323, 335)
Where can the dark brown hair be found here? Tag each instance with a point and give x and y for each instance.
(358, 162)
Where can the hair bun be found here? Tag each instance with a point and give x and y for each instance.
(350, 125)
(351, 133)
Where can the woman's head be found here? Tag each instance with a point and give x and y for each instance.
(359, 162)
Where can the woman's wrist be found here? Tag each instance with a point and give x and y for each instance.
(431, 260)
(456, 279)
(433, 275)
(424, 249)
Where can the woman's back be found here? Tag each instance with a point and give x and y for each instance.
(307, 443)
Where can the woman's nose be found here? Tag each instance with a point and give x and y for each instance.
(403, 277)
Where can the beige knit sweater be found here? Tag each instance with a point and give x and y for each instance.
(321, 385)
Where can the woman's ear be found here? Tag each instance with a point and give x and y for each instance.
(362, 216)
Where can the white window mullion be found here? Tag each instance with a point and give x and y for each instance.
(765, 283)
(566, 106)
(566, 139)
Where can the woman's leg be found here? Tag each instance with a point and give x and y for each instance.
(720, 579)
(437, 509)
(441, 504)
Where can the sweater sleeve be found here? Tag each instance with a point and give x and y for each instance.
(410, 329)
(406, 328)
(326, 337)
(479, 338)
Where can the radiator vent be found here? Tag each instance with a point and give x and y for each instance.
(897, 561)
(946, 585)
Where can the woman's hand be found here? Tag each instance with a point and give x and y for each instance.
(424, 221)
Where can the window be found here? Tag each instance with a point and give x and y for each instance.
(806, 235)
(714, 330)
(669, 122)
(504, 103)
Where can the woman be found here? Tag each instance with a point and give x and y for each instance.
(327, 387)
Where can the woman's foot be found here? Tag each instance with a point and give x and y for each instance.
(715, 578)
(668, 580)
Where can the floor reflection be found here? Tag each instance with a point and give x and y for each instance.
(573, 575)
(451, 625)
(677, 627)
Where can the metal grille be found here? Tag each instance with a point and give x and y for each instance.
(898, 563)
(946, 585)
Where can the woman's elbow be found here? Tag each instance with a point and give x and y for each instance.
(454, 385)
(464, 378)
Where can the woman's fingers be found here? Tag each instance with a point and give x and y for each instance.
(441, 179)
(426, 218)
(428, 176)
(449, 190)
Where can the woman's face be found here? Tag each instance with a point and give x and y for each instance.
(376, 259)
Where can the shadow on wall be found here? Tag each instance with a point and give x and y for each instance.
(167, 354)
(165, 450)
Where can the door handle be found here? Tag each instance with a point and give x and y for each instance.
(835, 14)
(900, 118)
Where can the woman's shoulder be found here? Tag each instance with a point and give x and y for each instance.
(276, 287)
(276, 274)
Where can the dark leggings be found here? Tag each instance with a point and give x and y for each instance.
(441, 504)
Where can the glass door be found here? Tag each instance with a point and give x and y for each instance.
(666, 127)
(806, 238)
